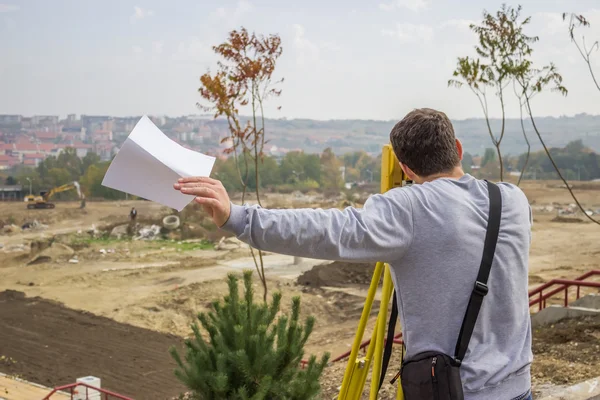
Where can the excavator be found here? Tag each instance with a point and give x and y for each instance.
(43, 200)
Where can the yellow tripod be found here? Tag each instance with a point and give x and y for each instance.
(357, 369)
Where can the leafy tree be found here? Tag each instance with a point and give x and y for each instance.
(579, 21)
(249, 354)
(68, 160)
(298, 166)
(89, 159)
(58, 176)
(496, 43)
(10, 180)
(523, 167)
(332, 177)
(91, 183)
(244, 78)
(532, 81)
(488, 157)
(467, 162)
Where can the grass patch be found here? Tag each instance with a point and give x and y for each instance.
(108, 242)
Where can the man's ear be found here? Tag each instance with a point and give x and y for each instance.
(411, 175)
(459, 148)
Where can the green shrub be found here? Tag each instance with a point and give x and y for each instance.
(249, 353)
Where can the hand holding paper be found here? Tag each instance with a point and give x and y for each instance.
(149, 163)
(210, 193)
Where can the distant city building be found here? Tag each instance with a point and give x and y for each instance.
(94, 122)
(34, 159)
(9, 119)
(44, 120)
(8, 161)
(11, 192)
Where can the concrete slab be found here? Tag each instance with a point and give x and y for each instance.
(552, 314)
(588, 390)
(588, 301)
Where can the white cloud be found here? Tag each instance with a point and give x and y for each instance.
(219, 13)
(193, 50)
(140, 13)
(413, 5)
(462, 25)
(410, 33)
(4, 8)
(137, 49)
(552, 23)
(157, 46)
(307, 51)
(10, 24)
(232, 16)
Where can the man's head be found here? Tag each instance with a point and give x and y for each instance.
(425, 144)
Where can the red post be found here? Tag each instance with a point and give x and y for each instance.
(566, 296)
(540, 302)
(578, 287)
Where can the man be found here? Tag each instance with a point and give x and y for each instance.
(432, 236)
(133, 214)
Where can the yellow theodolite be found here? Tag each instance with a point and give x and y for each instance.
(357, 369)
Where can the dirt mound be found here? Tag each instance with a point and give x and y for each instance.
(54, 345)
(567, 352)
(568, 220)
(337, 274)
(56, 252)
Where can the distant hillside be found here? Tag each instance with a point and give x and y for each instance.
(351, 135)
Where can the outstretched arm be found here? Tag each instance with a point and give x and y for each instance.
(380, 231)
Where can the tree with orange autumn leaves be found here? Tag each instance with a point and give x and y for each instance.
(244, 81)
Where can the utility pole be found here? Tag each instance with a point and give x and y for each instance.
(29, 180)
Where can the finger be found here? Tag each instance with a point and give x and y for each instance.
(204, 179)
(196, 185)
(200, 191)
(207, 202)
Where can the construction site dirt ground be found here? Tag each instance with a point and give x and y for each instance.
(145, 294)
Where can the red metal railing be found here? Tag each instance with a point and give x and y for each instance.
(72, 389)
(364, 344)
(564, 285)
(539, 297)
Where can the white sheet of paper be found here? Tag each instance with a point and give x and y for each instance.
(149, 163)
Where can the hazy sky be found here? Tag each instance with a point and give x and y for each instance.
(342, 58)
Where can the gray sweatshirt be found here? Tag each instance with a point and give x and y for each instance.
(432, 237)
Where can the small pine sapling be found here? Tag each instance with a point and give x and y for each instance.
(250, 352)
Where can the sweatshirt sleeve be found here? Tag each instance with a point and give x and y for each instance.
(381, 231)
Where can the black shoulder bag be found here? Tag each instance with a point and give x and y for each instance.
(433, 375)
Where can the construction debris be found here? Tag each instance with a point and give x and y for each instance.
(171, 222)
(15, 248)
(231, 243)
(56, 252)
(35, 225)
(148, 233)
(119, 231)
(8, 229)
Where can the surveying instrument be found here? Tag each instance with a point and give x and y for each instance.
(357, 369)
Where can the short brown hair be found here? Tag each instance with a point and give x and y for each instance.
(425, 142)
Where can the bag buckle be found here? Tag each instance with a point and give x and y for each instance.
(480, 288)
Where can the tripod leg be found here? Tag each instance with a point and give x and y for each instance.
(386, 294)
(350, 367)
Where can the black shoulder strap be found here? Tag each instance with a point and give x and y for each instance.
(389, 342)
(480, 289)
